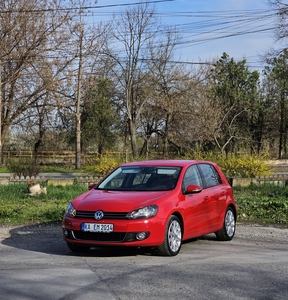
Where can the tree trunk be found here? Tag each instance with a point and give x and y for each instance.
(166, 136)
(281, 127)
(132, 129)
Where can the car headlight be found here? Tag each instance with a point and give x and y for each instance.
(144, 212)
(70, 211)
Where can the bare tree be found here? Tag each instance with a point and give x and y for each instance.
(30, 32)
(281, 32)
(40, 42)
(130, 37)
(169, 80)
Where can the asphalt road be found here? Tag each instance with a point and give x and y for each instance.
(36, 264)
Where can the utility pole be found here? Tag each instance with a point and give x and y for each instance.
(78, 113)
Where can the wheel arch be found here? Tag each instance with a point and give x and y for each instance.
(232, 206)
(179, 216)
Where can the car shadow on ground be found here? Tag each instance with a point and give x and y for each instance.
(47, 238)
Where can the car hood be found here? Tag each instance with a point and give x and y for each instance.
(117, 201)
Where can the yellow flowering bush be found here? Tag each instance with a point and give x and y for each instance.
(245, 166)
(105, 165)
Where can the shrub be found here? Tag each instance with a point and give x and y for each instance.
(23, 167)
(104, 166)
(245, 166)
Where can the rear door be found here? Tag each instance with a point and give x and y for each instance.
(216, 198)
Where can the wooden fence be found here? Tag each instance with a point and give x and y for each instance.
(61, 157)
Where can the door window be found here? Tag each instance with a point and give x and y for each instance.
(192, 176)
(210, 175)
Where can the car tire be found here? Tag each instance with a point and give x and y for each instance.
(229, 226)
(173, 238)
(78, 248)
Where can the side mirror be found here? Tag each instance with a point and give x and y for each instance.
(92, 185)
(193, 189)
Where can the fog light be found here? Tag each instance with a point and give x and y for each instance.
(141, 235)
(65, 232)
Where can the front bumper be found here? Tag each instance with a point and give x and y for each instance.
(141, 232)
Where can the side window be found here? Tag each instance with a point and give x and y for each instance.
(192, 176)
(211, 176)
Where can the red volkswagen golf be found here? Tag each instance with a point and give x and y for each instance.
(157, 204)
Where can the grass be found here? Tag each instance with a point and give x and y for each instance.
(263, 204)
(18, 207)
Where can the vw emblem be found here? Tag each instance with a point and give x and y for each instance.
(98, 215)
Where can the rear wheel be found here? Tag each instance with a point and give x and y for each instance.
(228, 231)
(78, 248)
(173, 238)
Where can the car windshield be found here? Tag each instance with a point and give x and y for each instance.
(139, 178)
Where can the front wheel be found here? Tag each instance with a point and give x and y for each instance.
(228, 231)
(173, 238)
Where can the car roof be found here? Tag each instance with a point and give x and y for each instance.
(166, 163)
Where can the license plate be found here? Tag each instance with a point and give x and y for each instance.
(92, 227)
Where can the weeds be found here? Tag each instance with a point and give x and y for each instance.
(265, 203)
(18, 207)
(257, 203)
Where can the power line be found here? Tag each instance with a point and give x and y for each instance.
(81, 8)
(207, 26)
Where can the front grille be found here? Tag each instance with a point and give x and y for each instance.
(107, 215)
(99, 237)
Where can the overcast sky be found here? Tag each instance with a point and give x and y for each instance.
(241, 28)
